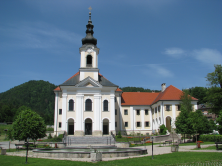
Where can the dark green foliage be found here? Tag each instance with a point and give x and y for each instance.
(136, 89)
(211, 138)
(49, 129)
(199, 122)
(214, 94)
(50, 136)
(28, 124)
(214, 99)
(213, 125)
(163, 130)
(198, 92)
(119, 135)
(37, 95)
(219, 120)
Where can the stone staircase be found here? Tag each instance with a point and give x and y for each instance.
(88, 140)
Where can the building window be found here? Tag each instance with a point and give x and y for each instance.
(89, 61)
(115, 124)
(178, 107)
(146, 124)
(115, 99)
(60, 111)
(71, 105)
(146, 112)
(126, 124)
(160, 120)
(152, 111)
(159, 108)
(137, 124)
(155, 109)
(88, 105)
(137, 112)
(105, 105)
(125, 112)
(168, 107)
(60, 124)
(115, 111)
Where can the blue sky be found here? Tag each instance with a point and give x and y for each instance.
(143, 43)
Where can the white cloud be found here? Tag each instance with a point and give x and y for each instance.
(208, 56)
(174, 52)
(158, 70)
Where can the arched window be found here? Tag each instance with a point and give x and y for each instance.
(89, 61)
(88, 105)
(71, 105)
(105, 105)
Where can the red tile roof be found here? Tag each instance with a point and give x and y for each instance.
(170, 93)
(57, 89)
(138, 98)
(118, 90)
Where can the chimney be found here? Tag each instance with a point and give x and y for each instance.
(163, 86)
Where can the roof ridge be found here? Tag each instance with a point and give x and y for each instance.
(73, 76)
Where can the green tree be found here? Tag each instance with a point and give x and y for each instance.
(200, 93)
(219, 120)
(214, 94)
(199, 122)
(183, 124)
(213, 126)
(28, 125)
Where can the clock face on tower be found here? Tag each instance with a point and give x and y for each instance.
(90, 49)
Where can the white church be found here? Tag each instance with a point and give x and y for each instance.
(90, 104)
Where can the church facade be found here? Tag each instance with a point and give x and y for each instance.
(89, 104)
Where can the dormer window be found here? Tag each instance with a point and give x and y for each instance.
(89, 61)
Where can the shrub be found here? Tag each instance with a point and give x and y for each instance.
(49, 129)
(50, 136)
(119, 135)
(163, 130)
(211, 138)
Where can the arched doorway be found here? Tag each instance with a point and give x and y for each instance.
(105, 127)
(168, 123)
(88, 126)
(70, 127)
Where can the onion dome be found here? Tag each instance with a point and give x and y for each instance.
(89, 39)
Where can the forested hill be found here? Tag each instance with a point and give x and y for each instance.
(37, 95)
(136, 89)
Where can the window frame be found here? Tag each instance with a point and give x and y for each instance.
(125, 111)
(60, 111)
(146, 112)
(137, 112)
(138, 124)
(126, 125)
(169, 107)
(87, 105)
(60, 124)
(148, 124)
(71, 105)
(105, 108)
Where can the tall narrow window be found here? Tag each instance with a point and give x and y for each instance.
(105, 105)
(60, 111)
(115, 111)
(60, 124)
(126, 124)
(89, 61)
(137, 112)
(88, 105)
(168, 107)
(146, 112)
(125, 112)
(71, 105)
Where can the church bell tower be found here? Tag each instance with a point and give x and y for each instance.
(89, 54)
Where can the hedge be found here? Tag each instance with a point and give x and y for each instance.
(211, 138)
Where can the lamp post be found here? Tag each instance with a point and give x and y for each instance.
(152, 148)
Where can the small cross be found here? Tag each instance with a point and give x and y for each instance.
(90, 8)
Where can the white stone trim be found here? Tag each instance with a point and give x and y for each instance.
(131, 118)
(79, 111)
(112, 112)
(97, 112)
(142, 117)
(56, 112)
(64, 108)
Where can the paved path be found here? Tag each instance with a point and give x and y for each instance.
(156, 151)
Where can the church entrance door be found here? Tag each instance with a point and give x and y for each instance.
(88, 127)
(70, 127)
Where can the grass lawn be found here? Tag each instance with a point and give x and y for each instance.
(2, 132)
(207, 148)
(166, 159)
